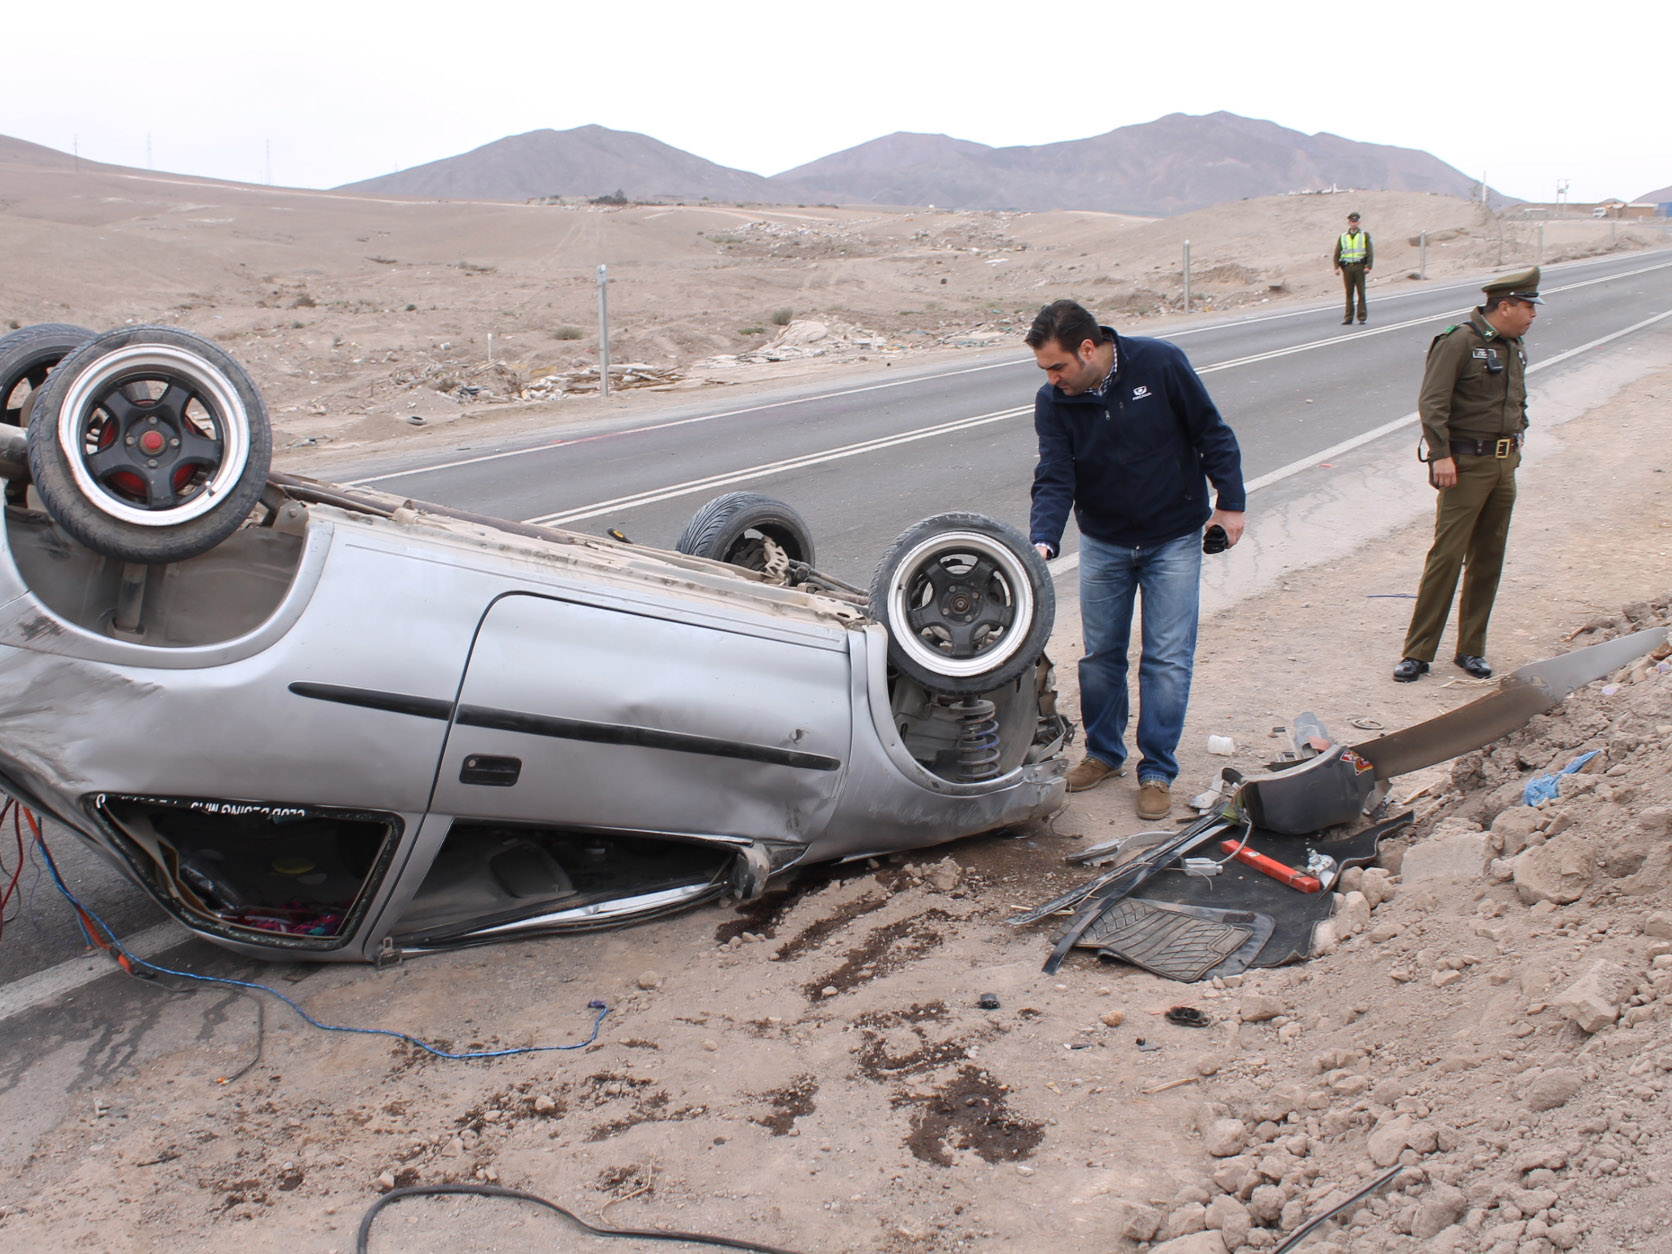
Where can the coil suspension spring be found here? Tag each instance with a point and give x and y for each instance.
(978, 739)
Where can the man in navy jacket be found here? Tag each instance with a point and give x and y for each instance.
(1129, 437)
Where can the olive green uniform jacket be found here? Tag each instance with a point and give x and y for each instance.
(1463, 398)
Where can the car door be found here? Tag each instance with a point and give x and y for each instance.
(631, 716)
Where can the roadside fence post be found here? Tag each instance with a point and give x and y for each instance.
(603, 331)
(1186, 276)
(1541, 243)
(1422, 255)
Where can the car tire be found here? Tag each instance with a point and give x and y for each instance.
(730, 527)
(967, 601)
(149, 444)
(28, 355)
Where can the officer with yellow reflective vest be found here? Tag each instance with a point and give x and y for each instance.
(1354, 257)
(1473, 409)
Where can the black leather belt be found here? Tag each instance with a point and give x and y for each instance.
(1487, 448)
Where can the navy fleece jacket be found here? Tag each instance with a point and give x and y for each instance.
(1134, 463)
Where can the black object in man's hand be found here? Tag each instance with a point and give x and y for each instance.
(1214, 540)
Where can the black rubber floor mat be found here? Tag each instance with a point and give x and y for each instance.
(1295, 914)
(1181, 942)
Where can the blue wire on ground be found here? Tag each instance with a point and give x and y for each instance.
(52, 867)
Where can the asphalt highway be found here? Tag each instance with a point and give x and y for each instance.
(864, 459)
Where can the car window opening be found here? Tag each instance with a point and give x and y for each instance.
(288, 870)
(489, 876)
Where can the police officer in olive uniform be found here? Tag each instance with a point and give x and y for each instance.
(1474, 410)
(1354, 258)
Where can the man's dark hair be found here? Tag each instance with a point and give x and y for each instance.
(1067, 323)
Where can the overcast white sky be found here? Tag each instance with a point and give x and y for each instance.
(314, 94)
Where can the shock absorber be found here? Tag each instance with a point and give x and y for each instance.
(978, 739)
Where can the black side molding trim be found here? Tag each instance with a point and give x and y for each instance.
(373, 699)
(565, 728)
(640, 737)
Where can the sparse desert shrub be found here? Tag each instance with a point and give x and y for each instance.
(304, 301)
(781, 317)
(566, 333)
(753, 331)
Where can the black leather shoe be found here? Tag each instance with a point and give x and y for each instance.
(1476, 666)
(1346, 322)
(1408, 670)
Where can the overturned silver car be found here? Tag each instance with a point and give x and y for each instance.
(330, 724)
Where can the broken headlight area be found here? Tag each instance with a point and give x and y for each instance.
(234, 868)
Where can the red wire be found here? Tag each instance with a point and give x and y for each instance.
(17, 872)
(87, 925)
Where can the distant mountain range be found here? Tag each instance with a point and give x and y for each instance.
(1171, 165)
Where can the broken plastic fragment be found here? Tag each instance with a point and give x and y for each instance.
(1544, 788)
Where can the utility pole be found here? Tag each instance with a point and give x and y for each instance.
(1561, 197)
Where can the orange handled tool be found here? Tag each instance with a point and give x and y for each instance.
(1272, 867)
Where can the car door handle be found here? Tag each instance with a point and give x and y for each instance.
(489, 770)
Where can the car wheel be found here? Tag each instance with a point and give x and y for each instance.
(731, 528)
(149, 444)
(967, 602)
(27, 356)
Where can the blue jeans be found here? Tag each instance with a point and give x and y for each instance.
(1170, 577)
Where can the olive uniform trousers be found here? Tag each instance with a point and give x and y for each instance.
(1471, 530)
(1352, 279)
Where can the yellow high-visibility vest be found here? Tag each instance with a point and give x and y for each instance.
(1353, 246)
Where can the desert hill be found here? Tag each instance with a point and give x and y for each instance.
(22, 152)
(1659, 196)
(1171, 165)
(582, 162)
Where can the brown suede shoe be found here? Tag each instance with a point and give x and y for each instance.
(1155, 799)
(1090, 772)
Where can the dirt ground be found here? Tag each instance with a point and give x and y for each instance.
(814, 1071)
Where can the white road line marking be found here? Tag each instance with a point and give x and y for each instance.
(678, 422)
(53, 982)
(692, 486)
